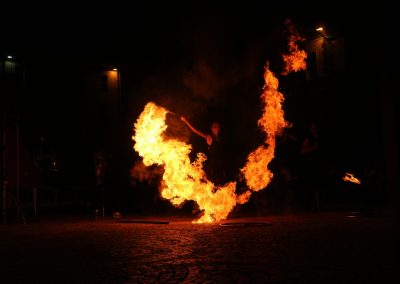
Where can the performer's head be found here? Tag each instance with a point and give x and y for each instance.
(215, 128)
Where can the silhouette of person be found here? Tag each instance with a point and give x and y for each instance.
(285, 166)
(214, 166)
(310, 157)
(311, 141)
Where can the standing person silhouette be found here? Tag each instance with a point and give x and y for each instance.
(214, 166)
(310, 156)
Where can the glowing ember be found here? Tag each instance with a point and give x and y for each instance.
(351, 178)
(182, 180)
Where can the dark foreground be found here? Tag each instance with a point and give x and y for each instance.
(312, 248)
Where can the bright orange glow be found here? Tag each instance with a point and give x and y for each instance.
(351, 178)
(320, 29)
(296, 59)
(272, 122)
(185, 180)
(182, 180)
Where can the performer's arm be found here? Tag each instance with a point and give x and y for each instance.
(198, 132)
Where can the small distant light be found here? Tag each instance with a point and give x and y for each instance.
(320, 29)
(115, 69)
(9, 57)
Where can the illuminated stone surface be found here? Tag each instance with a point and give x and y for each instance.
(317, 248)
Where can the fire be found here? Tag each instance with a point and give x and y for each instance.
(272, 122)
(182, 180)
(296, 59)
(351, 178)
(185, 180)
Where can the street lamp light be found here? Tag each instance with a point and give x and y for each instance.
(118, 77)
(321, 32)
(118, 81)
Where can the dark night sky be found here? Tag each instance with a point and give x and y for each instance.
(161, 30)
(159, 46)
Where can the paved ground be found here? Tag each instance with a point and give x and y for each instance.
(312, 248)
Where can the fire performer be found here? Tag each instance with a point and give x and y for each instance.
(214, 167)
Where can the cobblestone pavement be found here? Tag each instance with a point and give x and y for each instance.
(313, 248)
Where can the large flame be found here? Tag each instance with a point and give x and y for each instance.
(185, 180)
(272, 122)
(182, 180)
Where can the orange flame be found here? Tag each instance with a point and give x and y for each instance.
(295, 60)
(272, 122)
(351, 178)
(182, 180)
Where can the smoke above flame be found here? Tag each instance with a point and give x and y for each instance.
(185, 180)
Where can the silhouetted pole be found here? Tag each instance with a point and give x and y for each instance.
(34, 201)
(4, 203)
(3, 168)
(17, 168)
